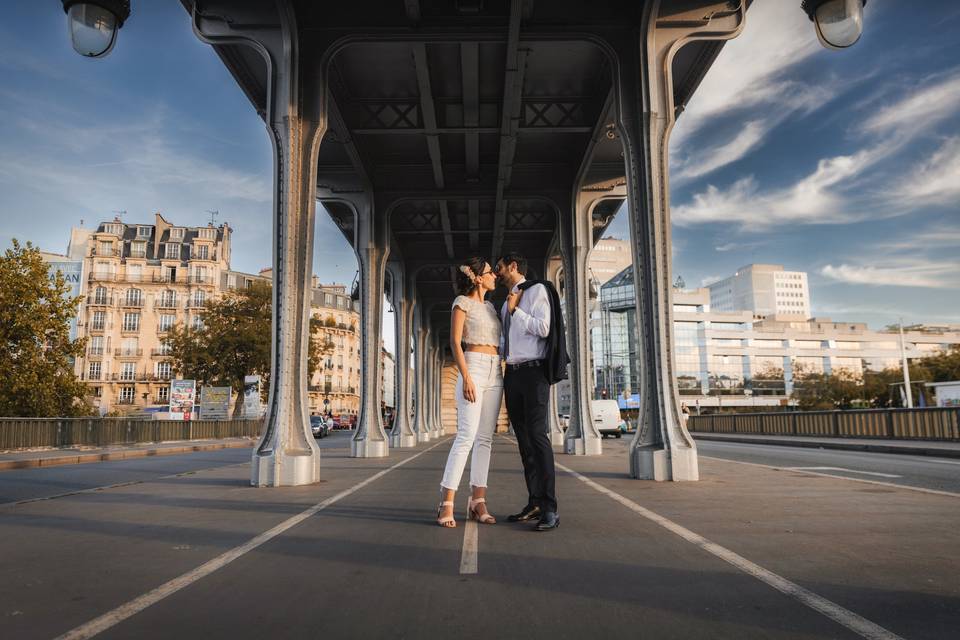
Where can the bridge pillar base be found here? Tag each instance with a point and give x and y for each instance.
(285, 470)
(424, 436)
(369, 449)
(403, 442)
(583, 446)
(556, 439)
(649, 463)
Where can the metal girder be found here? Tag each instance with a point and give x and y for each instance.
(473, 217)
(470, 73)
(510, 120)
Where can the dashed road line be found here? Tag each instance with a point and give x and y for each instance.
(845, 470)
(471, 545)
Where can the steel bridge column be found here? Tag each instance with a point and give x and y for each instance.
(296, 118)
(662, 449)
(551, 272)
(370, 441)
(582, 437)
(402, 434)
(420, 423)
(437, 387)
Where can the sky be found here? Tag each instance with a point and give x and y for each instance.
(845, 164)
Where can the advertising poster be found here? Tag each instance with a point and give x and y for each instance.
(182, 397)
(215, 403)
(73, 275)
(251, 397)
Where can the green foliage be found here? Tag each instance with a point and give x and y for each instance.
(36, 353)
(235, 341)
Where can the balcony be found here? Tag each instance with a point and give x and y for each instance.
(196, 304)
(200, 280)
(98, 327)
(102, 276)
(101, 252)
(90, 377)
(123, 400)
(166, 278)
(160, 353)
(100, 301)
(130, 329)
(128, 353)
(331, 389)
(166, 303)
(131, 302)
(134, 277)
(95, 351)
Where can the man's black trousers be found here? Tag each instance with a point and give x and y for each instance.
(527, 394)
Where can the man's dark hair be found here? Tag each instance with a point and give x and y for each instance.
(513, 256)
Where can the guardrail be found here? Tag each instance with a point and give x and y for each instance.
(896, 424)
(26, 433)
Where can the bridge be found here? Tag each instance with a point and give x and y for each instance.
(432, 131)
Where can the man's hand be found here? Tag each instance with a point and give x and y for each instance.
(513, 299)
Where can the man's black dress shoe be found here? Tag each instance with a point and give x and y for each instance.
(549, 520)
(528, 513)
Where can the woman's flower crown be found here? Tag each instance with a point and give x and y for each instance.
(467, 271)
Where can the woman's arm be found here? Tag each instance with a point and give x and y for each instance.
(456, 335)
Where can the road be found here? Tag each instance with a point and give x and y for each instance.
(938, 474)
(19, 485)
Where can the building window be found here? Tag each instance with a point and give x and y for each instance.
(171, 251)
(166, 322)
(198, 299)
(128, 371)
(115, 229)
(200, 274)
(99, 321)
(168, 299)
(327, 299)
(163, 394)
(231, 281)
(339, 302)
(134, 297)
(197, 323)
(202, 251)
(106, 248)
(163, 370)
(131, 322)
(127, 394)
(144, 232)
(207, 233)
(176, 234)
(93, 372)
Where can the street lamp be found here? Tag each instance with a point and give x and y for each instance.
(839, 23)
(93, 24)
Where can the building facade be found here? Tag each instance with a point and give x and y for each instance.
(138, 281)
(738, 358)
(764, 289)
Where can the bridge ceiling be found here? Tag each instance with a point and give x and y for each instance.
(460, 115)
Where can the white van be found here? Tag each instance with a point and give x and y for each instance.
(606, 417)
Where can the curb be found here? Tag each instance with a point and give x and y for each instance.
(843, 446)
(87, 458)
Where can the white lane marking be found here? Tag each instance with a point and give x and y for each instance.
(471, 544)
(935, 492)
(121, 613)
(835, 612)
(114, 486)
(867, 473)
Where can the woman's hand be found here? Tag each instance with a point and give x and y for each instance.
(469, 390)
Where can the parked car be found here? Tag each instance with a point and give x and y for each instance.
(320, 426)
(606, 417)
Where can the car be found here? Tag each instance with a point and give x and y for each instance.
(606, 418)
(319, 427)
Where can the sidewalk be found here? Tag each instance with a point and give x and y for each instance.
(84, 455)
(941, 449)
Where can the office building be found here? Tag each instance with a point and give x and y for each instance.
(764, 289)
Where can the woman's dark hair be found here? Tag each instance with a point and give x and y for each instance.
(466, 282)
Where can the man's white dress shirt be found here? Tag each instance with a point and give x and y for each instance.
(529, 325)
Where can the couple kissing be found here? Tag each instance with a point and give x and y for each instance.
(527, 335)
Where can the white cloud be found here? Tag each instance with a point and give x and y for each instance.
(935, 181)
(910, 272)
(712, 158)
(919, 109)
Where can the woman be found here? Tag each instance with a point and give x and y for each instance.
(474, 339)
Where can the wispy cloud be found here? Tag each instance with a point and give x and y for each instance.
(915, 272)
(922, 107)
(934, 181)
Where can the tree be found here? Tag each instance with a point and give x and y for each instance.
(36, 353)
(234, 341)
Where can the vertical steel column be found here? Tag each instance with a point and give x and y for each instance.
(420, 422)
(296, 119)
(582, 437)
(437, 387)
(551, 272)
(402, 434)
(662, 448)
(370, 441)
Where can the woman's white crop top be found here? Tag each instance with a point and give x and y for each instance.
(482, 326)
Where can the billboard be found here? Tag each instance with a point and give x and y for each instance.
(215, 403)
(182, 396)
(251, 397)
(73, 275)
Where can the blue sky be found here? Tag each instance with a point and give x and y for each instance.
(842, 164)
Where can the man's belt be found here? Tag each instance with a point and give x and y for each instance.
(521, 365)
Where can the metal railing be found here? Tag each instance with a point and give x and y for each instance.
(100, 301)
(897, 424)
(23, 433)
(128, 353)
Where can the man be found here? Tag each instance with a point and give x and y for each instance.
(528, 315)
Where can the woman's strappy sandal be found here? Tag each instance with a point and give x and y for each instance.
(447, 521)
(486, 518)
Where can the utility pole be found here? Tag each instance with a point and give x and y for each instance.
(906, 370)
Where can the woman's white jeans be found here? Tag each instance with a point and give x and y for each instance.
(476, 421)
